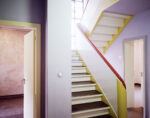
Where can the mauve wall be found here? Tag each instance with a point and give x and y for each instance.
(11, 62)
(139, 26)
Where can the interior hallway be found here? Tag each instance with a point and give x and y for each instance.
(11, 107)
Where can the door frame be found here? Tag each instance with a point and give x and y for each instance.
(144, 68)
(37, 29)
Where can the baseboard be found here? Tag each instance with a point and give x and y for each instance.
(11, 96)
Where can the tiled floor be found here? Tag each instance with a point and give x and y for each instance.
(11, 108)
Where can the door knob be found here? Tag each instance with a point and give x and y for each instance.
(23, 79)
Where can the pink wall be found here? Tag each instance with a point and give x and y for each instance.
(11, 62)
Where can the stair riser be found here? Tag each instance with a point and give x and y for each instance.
(81, 79)
(74, 52)
(86, 100)
(90, 113)
(101, 37)
(79, 71)
(111, 21)
(106, 30)
(99, 44)
(116, 15)
(75, 58)
(77, 64)
(85, 88)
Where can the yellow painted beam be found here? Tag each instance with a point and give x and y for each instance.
(19, 24)
(114, 37)
(122, 100)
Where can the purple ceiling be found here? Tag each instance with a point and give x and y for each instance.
(130, 6)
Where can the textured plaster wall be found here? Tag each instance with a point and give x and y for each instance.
(11, 62)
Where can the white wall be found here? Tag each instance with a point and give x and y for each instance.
(101, 72)
(59, 59)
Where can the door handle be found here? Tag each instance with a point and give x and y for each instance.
(23, 79)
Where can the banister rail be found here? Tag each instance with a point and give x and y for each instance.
(101, 55)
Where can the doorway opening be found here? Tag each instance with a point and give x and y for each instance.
(134, 72)
(11, 71)
(19, 69)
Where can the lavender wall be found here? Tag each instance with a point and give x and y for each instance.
(130, 6)
(139, 26)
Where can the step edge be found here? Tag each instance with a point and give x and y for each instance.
(91, 110)
(89, 96)
(74, 86)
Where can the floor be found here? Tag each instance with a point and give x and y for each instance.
(136, 112)
(138, 96)
(11, 108)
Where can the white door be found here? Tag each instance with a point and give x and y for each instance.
(129, 72)
(29, 74)
(138, 61)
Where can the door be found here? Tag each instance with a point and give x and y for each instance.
(129, 71)
(29, 74)
(138, 61)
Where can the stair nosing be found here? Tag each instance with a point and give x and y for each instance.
(79, 68)
(92, 84)
(79, 75)
(88, 96)
(90, 110)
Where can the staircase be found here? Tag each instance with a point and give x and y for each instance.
(108, 28)
(87, 101)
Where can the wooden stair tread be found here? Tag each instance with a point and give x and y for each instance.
(88, 106)
(85, 93)
(82, 83)
(103, 116)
